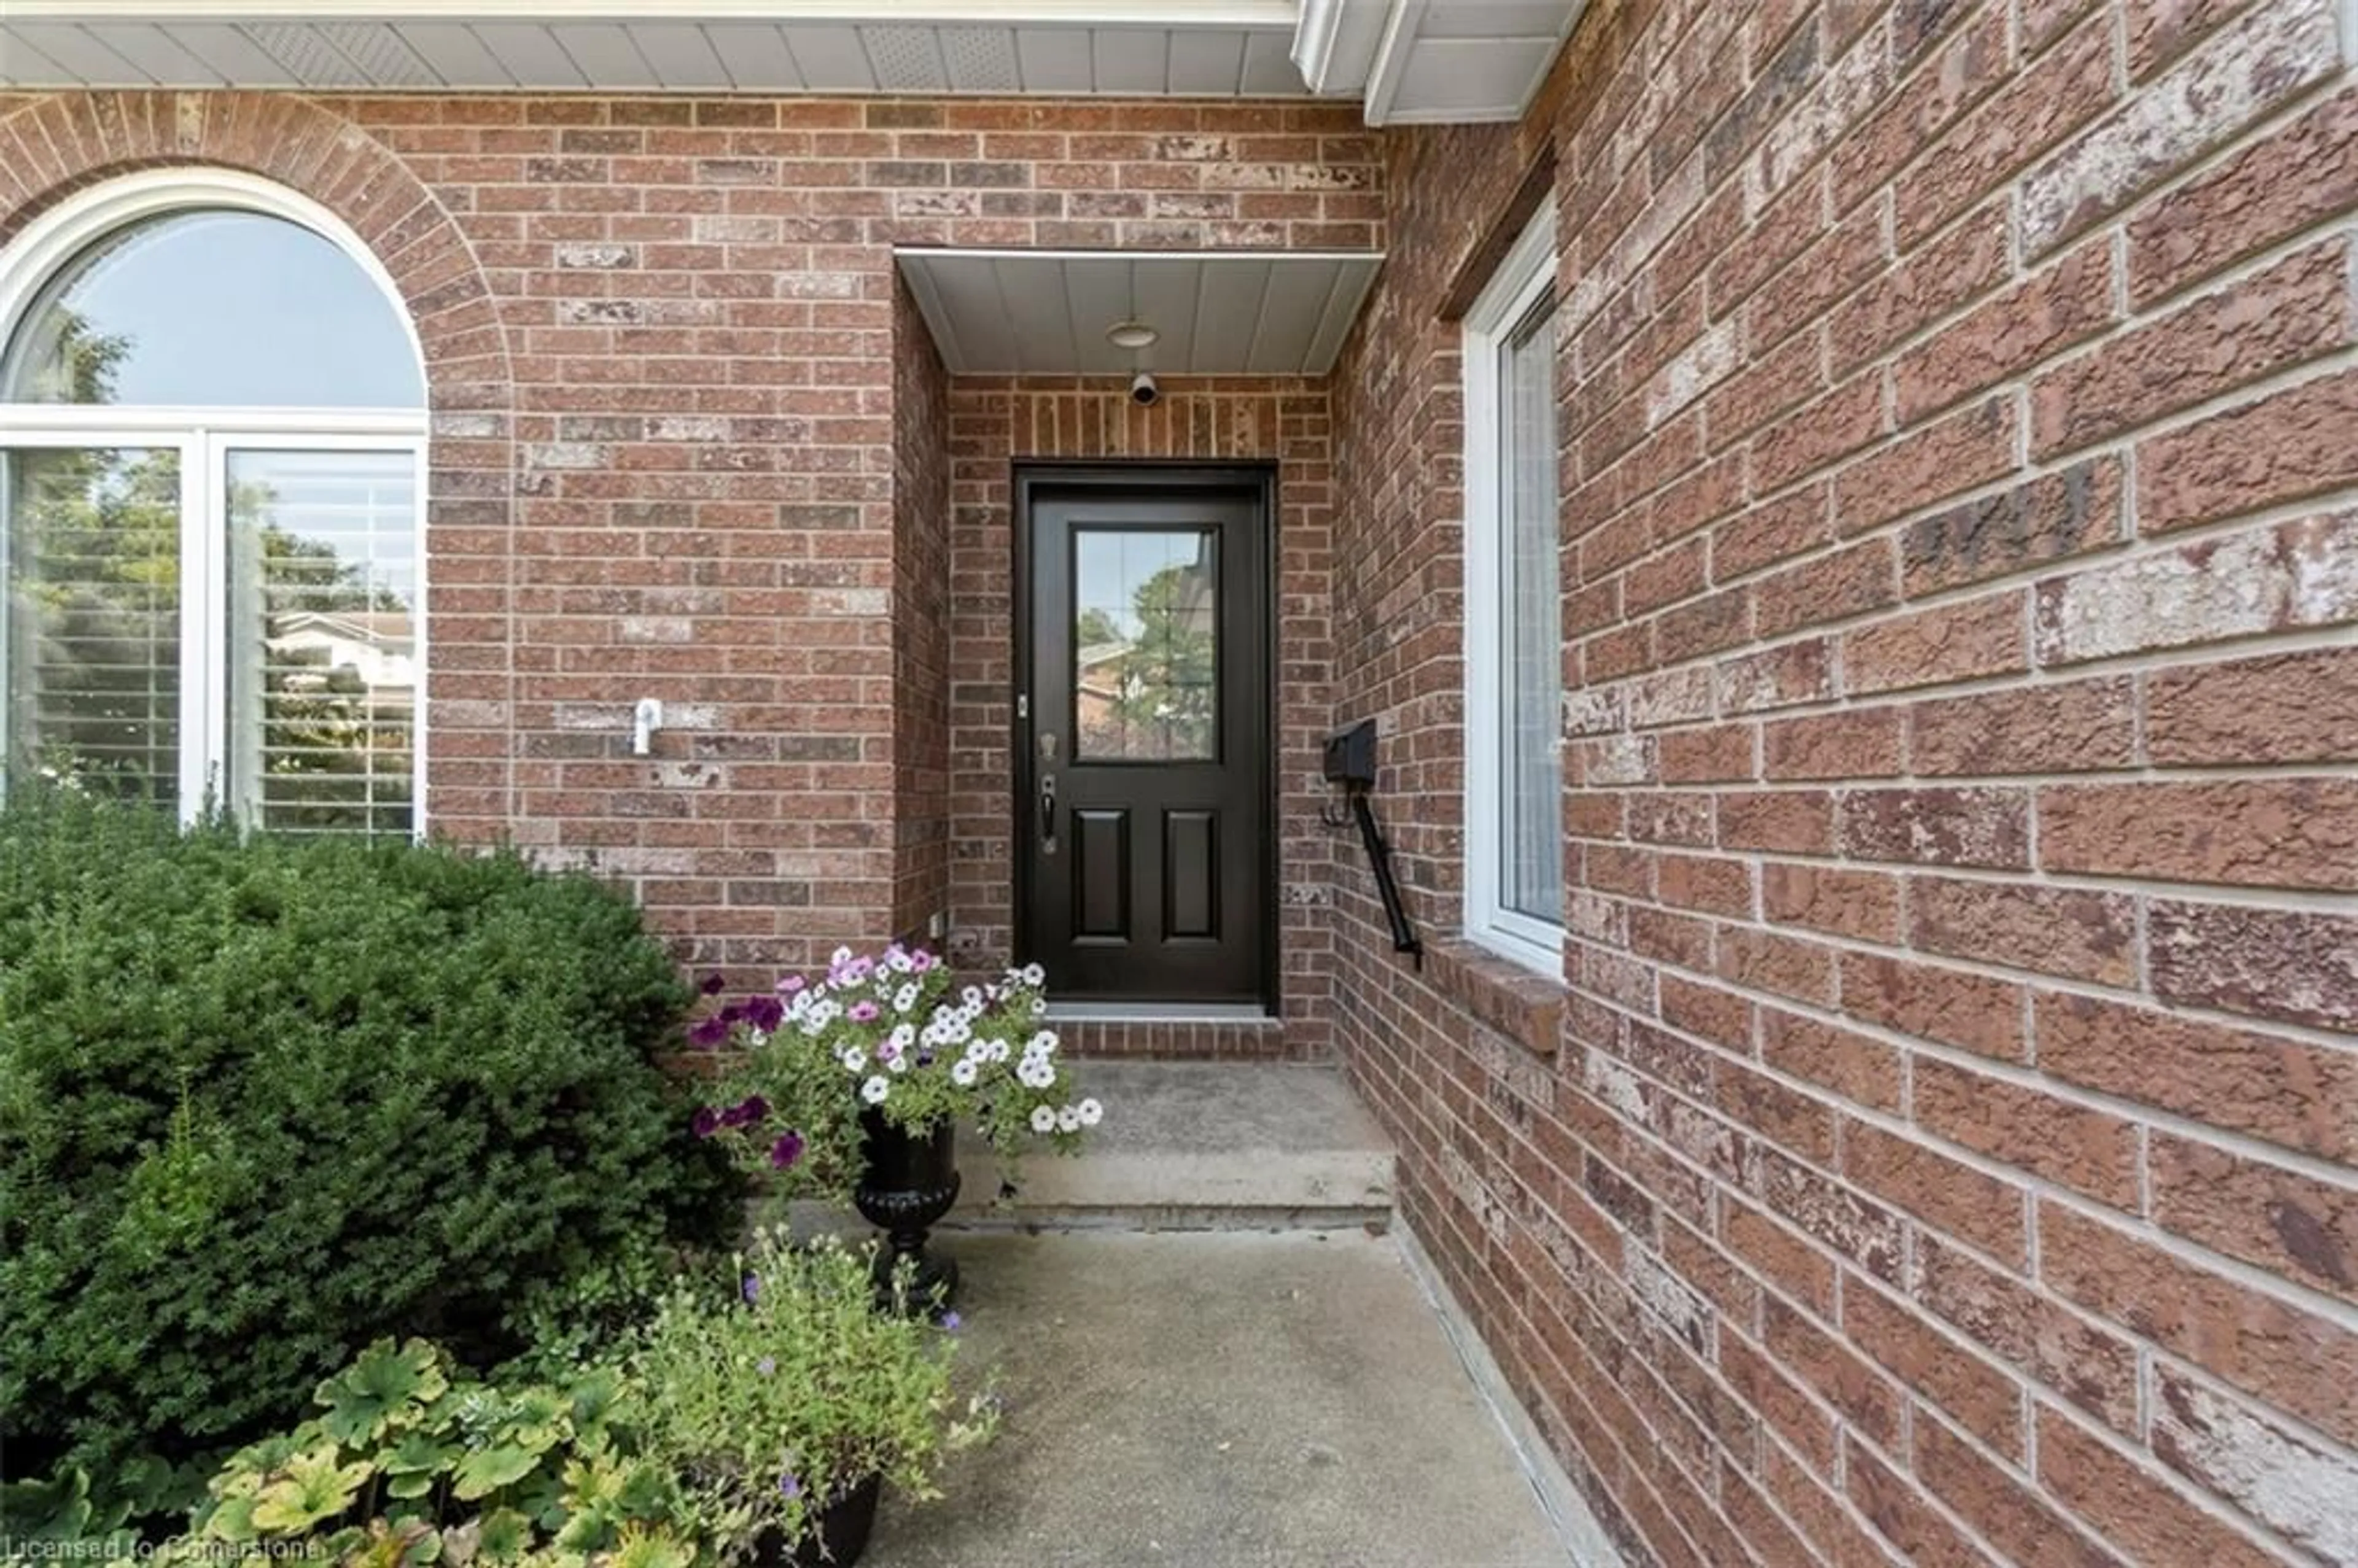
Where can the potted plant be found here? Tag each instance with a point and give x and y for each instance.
(852, 1086)
(787, 1402)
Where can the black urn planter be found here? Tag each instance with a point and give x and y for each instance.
(840, 1536)
(907, 1182)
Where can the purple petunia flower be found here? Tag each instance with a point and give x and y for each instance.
(791, 984)
(751, 1288)
(765, 1013)
(920, 961)
(708, 1033)
(952, 1322)
(745, 1112)
(863, 1013)
(713, 984)
(705, 1122)
(788, 1487)
(786, 1151)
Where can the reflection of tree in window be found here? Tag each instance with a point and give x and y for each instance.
(323, 715)
(1149, 688)
(93, 541)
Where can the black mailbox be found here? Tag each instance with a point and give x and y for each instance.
(1351, 756)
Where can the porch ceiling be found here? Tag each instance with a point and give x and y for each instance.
(1215, 313)
(1410, 61)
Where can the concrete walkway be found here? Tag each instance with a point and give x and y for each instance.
(1218, 1399)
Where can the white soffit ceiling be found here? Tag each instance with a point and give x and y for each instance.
(1218, 312)
(1218, 48)
(1433, 61)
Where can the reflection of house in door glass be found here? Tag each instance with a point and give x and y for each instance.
(1145, 645)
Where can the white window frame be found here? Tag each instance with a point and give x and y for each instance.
(204, 436)
(1522, 278)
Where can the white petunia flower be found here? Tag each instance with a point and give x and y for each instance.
(855, 1060)
(1068, 1121)
(1033, 975)
(904, 998)
(842, 956)
(1039, 1007)
(972, 996)
(1045, 1042)
(963, 1074)
(899, 1063)
(874, 1090)
(903, 1036)
(1091, 1112)
(1043, 1120)
(1001, 1050)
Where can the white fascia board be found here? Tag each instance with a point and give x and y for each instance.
(1184, 15)
(1390, 62)
(1335, 41)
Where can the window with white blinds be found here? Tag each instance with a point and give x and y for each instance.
(322, 638)
(1514, 633)
(91, 616)
(212, 431)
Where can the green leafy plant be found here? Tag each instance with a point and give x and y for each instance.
(777, 1388)
(894, 1035)
(411, 1462)
(263, 1100)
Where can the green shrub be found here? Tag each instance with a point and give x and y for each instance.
(264, 1101)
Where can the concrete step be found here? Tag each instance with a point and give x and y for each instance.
(1198, 1146)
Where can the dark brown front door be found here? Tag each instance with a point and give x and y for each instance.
(1143, 726)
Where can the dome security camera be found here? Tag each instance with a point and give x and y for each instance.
(1143, 390)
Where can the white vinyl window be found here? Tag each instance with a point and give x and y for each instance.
(1514, 642)
(212, 434)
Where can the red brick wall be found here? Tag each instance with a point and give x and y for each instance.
(996, 424)
(921, 615)
(679, 429)
(1940, 1144)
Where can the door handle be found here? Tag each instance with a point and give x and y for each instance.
(1047, 814)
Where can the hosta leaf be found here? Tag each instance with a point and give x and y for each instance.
(234, 1520)
(505, 1534)
(645, 1491)
(380, 1390)
(55, 1509)
(486, 1470)
(594, 1396)
(419, 1454)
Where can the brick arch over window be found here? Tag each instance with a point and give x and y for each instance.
(63, 144)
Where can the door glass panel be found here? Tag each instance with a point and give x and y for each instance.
(1145, 645)
(89, 635)
(1532, 879)
(322, 656)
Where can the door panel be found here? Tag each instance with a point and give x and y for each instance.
(1145, 873)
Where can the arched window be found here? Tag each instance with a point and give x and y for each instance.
(212, 431)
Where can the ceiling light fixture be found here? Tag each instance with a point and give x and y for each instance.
(1132, 335)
